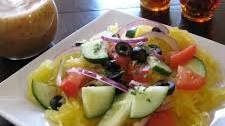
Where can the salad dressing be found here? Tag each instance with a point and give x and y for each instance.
(26, 27)
(15, 7)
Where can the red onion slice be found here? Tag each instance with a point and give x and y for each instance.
(59, 75)
(68, 50)
(134, 83)
(166, 38)
(143, 22)
(132, 40)
(98, 77)
(154, 53)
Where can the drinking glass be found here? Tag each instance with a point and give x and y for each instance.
(199, 10)
(155, 5)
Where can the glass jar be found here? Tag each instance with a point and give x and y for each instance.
(27, 27)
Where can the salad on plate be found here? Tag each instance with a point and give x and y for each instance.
(140, 74)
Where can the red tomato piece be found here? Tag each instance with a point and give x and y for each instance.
(72, 83)
(111, 49)
(162, 118)
(142, 77)
(188, 80)
(166, 58)
(126, 77)
(123, 61)
(139, 73)
(183, 56)
(142, 74)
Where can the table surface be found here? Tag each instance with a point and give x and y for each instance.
(73, 14)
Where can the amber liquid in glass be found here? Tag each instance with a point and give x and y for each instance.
(199, 10)
(155, 5)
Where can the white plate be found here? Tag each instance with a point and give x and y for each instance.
(13, 103)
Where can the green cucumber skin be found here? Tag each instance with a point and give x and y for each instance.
(123, 101)
(196, 62)
(93, 54)
(36, 97)
(141, 117)
(131, 33)
(161, 71)
(96, 61)
(147, 114)
(98, 114)
(159, 66)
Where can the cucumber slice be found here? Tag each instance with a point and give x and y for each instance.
(43, 93)
(131, 33)
(197, 66)
(159, 66)
(147, 100)
(118, 113)
(94, 51)
(97, 100)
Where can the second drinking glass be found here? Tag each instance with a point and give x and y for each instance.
(199, 10)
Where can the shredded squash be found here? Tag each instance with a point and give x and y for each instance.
(192, 108)
(70, 114)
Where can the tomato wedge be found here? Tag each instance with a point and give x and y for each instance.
(183, 56)
(140, 73)
(162, 118)
(188, 80)
(111, 49)
(123, 61)
(72, 83)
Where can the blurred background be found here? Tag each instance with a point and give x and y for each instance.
(73, 14)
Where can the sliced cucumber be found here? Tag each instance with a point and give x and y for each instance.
(97, 100)
(43, 93)
(197, 66)
(118, 113)
(147, 100)
(159, 66)
(131, 33)
(94, 51)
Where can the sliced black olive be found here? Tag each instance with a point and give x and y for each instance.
(139, 54)
(78, 43)
(111, 65)
(116, 35)
(156, 29)
(131, 33)
(168, 83)
(118, 91)
(156, 48)
(116, 76)
(56, 102)
(123, 49)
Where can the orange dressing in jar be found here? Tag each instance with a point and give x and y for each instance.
(26, 27)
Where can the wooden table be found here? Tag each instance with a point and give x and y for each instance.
(73, 14)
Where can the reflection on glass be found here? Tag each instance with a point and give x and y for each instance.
(159, 16)
(199, 10)
(155, 5)
(204, 29)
